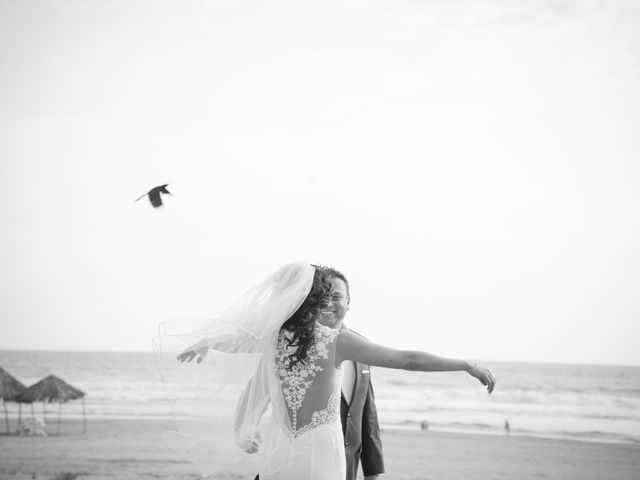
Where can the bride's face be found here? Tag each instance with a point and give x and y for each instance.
(337, 309)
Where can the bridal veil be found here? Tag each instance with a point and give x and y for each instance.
(232, 411)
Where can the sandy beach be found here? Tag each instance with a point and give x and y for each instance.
(132, 449)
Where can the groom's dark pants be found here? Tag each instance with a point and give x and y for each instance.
(360, 427)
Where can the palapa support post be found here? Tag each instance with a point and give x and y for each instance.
(84, 418)
(19, 417)
(59, 415)
(6, 415)
(44, 415)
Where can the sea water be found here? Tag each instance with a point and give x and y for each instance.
(585, 402)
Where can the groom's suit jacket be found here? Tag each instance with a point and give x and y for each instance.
(360, 427)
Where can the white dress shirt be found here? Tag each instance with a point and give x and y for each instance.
(348, 379)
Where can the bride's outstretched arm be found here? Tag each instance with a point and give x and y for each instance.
(351, 346)
(200, 349)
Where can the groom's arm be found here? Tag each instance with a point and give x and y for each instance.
(371, 455)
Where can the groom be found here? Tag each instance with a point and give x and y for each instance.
(357, 407)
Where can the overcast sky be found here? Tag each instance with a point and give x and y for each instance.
(472, 166)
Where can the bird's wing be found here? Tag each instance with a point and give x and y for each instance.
(154, 198)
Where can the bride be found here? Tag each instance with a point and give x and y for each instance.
(280, 368)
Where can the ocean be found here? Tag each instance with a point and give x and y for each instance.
(580, 402)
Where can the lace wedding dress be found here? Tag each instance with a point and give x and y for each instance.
(311, 390)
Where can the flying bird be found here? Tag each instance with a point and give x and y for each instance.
(154, 195)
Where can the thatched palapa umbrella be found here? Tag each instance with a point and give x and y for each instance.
(10, 389)
(53, 389)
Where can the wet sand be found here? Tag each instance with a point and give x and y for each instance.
(132, 449)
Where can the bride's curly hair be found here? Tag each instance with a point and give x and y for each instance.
(302, 323)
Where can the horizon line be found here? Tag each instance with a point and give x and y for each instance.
(544, 362)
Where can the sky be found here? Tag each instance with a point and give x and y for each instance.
(473, 168)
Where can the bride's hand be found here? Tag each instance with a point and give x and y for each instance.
(250, 444)
(190, 353)
(484, 375)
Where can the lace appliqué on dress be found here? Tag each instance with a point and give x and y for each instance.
(322, 417)
(297, 379)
